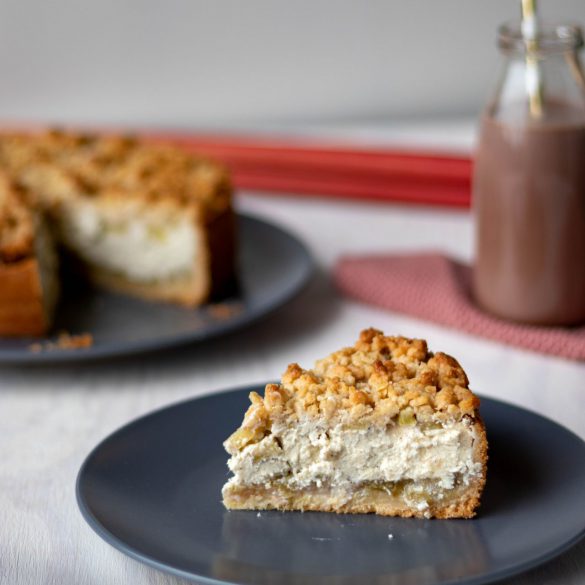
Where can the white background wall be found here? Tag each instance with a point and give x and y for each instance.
(204, 62)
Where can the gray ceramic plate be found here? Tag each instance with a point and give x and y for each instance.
(152, 490)
(273, 267)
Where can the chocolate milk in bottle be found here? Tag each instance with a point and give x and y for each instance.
(529, 189)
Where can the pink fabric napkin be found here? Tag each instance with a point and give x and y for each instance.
(436, 288)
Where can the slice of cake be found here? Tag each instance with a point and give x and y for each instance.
(384, 426)
(140, 218)
(28, 265)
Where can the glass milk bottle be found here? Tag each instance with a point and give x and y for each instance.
(529, 183)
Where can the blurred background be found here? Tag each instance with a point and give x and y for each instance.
(203, 63)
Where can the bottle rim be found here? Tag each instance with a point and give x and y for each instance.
(551, 38)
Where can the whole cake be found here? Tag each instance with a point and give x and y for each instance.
(139, 218)
(384, 426)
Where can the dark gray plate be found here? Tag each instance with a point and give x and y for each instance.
(272, 267)
(152, 490)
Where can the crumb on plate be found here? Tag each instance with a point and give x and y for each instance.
(64, 341)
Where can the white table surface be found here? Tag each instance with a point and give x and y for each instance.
(50, 417)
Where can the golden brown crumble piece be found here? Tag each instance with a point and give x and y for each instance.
(64, 341)
(224, 311)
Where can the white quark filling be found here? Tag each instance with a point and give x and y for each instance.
(308, 455)
(139, 247)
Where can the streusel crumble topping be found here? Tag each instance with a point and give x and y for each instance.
(378, 380)
(65, 164)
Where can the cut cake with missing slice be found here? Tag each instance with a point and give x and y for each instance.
(145, 219)
(382, 427)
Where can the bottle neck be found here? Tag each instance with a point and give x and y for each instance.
(552, 69)
(551, 40)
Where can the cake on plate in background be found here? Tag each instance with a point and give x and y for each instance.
(139, 218)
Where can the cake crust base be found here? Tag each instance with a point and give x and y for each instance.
(362, 501)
